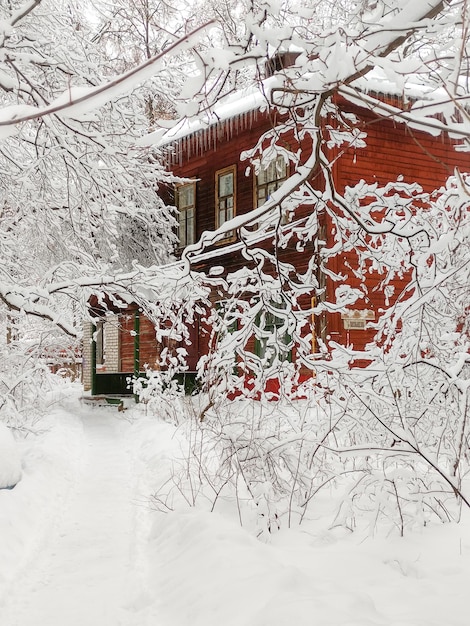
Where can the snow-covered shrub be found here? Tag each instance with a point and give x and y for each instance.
(26, 375)
(376, 457)
(251, 458)
(398, 447)
(161, 394)
(10, 459)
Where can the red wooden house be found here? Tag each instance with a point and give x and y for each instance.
(221, 186)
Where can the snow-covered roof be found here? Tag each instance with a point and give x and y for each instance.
(232, 106)
(259, 98)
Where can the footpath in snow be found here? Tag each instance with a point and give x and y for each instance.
(87, 568)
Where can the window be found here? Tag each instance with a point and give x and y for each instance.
(270, 179)
(267, 181)
(99, 343)
(186, 205)
(225, 197)
(227, 313)
(273, 340)
(227, 325)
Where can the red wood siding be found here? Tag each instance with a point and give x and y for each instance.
(148, 353)
(392, 150)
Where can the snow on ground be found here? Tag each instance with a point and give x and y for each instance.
(81, 544)
(50, 463)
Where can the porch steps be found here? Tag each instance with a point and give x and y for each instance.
(104, 400)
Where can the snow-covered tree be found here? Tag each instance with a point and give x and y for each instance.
(404, 419)
(78, 200)
(73, 175)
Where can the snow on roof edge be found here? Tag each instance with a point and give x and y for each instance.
(234, 105)
(242, 102)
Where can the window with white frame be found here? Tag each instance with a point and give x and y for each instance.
(186, 205)
(268, 180)
(225, 185)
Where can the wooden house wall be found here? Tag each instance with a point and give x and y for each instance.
(148, 349)
(392, 150)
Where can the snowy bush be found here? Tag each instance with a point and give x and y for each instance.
(161, 395)
(10, 459)
(28, 385)
(273, 464)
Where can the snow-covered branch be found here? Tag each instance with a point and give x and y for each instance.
(77, 101)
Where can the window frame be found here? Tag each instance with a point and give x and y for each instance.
(184, 211)
(271, 324)
(99, 344)
(231, 169)
(276, 181)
